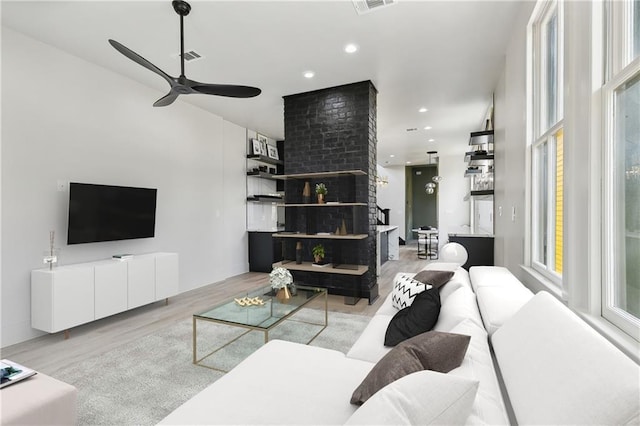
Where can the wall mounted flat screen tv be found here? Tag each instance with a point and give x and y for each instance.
(110, 213)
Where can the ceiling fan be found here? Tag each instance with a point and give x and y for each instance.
(182, 85)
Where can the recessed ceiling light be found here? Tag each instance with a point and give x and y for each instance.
(392, 156)
(432, 140)
(423, 109)
(309, 74)
(350, 48)
(408, 162)
(428, 128)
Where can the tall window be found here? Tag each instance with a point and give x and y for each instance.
(621, 169)
(547, 144)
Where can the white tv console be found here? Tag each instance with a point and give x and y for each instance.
(71, 295)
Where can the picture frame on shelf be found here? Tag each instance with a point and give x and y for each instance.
(256, 147)
(273, 152)
(261, 138)
(263, 148)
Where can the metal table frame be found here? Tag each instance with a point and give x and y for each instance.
(318, 292)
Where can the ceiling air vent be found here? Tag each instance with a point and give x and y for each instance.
(189, 56)
(366, 6)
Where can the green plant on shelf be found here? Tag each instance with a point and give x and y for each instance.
(321, 189)
(318, 253)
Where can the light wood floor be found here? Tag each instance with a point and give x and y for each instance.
(51, 352)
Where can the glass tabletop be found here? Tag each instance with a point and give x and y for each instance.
(262, 316)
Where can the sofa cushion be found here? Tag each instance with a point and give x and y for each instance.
(280, 383)
(418, 318)
(420, 398)
(492, 276)
(459, 279)
(559, 370)
(457, 307)
(488, 407)
(434, 278)
(428, 351)
(405, 289)
(498, 304)
(370, 345)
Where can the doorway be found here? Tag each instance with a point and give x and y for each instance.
(421, 208)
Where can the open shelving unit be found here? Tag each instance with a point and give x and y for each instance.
(263, 195)
(480, 163)
(310, 216)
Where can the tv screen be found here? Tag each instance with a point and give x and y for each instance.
(110, 213)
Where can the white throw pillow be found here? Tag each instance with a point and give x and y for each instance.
(421, 398)
(405, 289)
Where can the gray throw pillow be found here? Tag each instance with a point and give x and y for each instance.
(434, 278)
(433, 350)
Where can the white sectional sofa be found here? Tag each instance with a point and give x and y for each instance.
(554, 369)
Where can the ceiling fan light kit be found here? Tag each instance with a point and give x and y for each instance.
(182, 85)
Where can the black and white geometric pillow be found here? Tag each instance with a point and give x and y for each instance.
(405, 289)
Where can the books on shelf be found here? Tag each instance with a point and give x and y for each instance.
(11, 372)
(321, 265)
(122, 256)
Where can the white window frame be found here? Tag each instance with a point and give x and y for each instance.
(611, 222)
(537, 106)
(619, 68)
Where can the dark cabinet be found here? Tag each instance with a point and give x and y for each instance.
(479, 249)
(264, 251)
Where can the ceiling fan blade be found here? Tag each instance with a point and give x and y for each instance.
(166, 100)
(228, 90)
(140, 60)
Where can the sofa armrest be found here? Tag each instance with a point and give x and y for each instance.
(558, 370)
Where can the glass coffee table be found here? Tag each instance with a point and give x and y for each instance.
(267, 314)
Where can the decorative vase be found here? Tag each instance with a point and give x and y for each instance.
(298, 253)
(343, 229)
(320, 198)
(317, 259)
(283, 295)
(306, 193)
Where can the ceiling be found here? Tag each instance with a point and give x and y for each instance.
(445, 56)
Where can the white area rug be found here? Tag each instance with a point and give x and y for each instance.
(142, 382)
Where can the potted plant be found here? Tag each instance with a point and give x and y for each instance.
(321, 191)
(318, 254)
(280, 280)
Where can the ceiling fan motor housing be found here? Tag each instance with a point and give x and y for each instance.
(182, 8)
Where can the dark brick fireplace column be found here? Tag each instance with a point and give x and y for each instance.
(331, 130)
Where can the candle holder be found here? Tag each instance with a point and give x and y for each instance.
(51, 255)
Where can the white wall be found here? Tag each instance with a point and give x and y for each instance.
(392, 195)
(510, 150)
(65, 119)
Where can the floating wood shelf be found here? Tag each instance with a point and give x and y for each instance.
(324, 174)
(323, 205)
(265, 159)
(263, 199)
(321, 237)
(263, 175)
(342, 269)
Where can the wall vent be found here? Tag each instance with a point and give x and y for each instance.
(366, 6)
